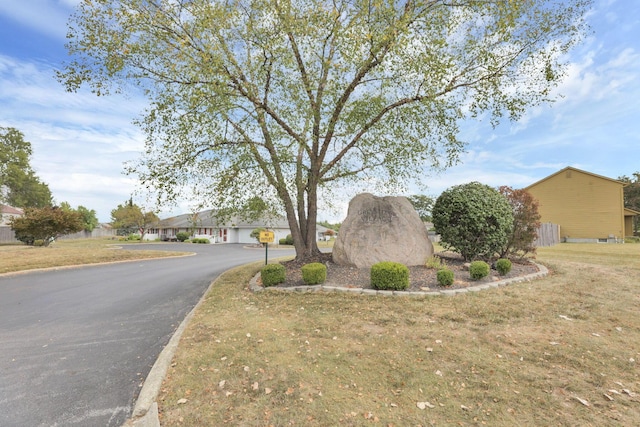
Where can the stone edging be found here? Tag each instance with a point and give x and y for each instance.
(327, 287)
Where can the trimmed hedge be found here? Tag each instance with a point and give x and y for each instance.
(503, 266)
(314, 273)
(478, 270)
(272, 274)
(445, 277)
(388, 275)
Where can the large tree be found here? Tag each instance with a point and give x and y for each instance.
(19, 185)
(284, 98)
(131, 217)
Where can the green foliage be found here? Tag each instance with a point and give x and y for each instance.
(478, 270)
(435, 262)
(445, 277)
(287, 240)
(473, 219)
(272, 274)
(388, 275)
(314, 273)
(38, 243)
(182, 236)
(631, 194)
(290, 98)
(201, 240)
(503, 266)
(45, 224)
(632, 239)
(23, 188)
(255, 233)
(89, 218)
(133, 237)
(526, 221)
(130, 216)
(423, 205)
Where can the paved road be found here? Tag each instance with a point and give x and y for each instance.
(76, 344)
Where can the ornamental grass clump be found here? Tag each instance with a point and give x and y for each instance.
(272, 274)
(389, 275)
(478, 270)
(314, 273)
(503, 266)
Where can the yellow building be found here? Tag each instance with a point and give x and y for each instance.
(586, 206)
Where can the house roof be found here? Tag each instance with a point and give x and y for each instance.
(207, 218)
(576, 170)
(630, 212)
(6, 209)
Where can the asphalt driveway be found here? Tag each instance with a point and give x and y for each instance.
(76, 344)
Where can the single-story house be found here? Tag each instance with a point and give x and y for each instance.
(586, 206)
(6, 213)
(234, 230)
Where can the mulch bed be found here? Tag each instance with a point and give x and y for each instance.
(421, 278)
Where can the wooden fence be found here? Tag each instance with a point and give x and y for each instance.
(8, 236)
(548, 235)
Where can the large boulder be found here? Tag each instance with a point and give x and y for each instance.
(381, 229)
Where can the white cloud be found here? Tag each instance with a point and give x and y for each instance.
(79, 140)
(48, 17)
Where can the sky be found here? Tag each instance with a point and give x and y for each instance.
(80, 142)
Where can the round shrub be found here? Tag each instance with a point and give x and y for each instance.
(201, 240)
(314, 273)
(445, 277)
(182, 236)
(503, 266)
(388, 275)
(272, 274)
(478, 270)
(473, 219)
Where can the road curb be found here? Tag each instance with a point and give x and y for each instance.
(145, 411)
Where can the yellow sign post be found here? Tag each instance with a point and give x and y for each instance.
(266, 237)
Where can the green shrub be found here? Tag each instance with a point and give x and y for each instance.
(503, 266)
(182, 236)
(201, 240)
(133, 237)
(445, 277)
(38, 242)
(388, 275)
(272, 274)
(288, 240)
(314, 273)
(632, 239)
(282, 241)
(473, 219)
(478, 270)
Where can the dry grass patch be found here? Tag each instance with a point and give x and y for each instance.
(558, 351)
(71, 252)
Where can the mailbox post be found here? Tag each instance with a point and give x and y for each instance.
(266, 237)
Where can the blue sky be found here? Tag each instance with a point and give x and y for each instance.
(80, 141)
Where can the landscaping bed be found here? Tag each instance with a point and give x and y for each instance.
(421, 278)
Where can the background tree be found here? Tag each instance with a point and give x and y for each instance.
(632, 196)
(130, 217)
(526, 221)
(255, 233)
(423, 205)
(89, 218)
(19, 183)
(473, 219)
(284, 99)
(45, 224)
